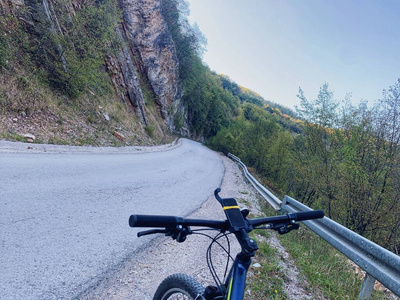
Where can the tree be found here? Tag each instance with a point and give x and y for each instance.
(351, 161)
(318, 146)
(189, 42)
(322, 111)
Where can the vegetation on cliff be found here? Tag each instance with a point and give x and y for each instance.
(61, 78)
(64, 52)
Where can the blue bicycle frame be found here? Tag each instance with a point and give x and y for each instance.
(236, 281)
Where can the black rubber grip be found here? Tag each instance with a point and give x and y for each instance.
(306, 215)
(153, 221)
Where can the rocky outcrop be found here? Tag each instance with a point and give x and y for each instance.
(147, 53)
(150, 36)
(131, 81)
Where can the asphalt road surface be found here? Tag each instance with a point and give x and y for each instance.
(64, 216)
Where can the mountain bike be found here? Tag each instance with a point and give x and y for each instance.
(182, 286)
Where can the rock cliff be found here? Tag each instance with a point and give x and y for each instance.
(151, 39)
(147, 52)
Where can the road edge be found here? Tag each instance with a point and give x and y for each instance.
(20, 147)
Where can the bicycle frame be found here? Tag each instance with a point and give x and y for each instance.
(236, 282)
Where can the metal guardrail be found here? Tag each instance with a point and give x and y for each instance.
(376, 261)
(267, 195)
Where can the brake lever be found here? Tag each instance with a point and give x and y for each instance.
(285, 228)
(152, 231)
(179, 233)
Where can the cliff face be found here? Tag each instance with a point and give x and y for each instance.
(147, 53)
(151, 39)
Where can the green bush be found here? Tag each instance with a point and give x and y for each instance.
(150, 130)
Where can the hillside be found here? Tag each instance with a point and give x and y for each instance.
(108, 73)
(130, 73)
(88, 72)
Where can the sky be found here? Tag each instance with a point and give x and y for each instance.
(273, 47)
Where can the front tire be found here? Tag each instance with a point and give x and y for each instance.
(179, 286)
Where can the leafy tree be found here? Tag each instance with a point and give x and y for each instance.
(189, 41)
(318, 150)
(351, 163)
(322, 111)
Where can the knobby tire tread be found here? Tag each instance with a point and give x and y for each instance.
(179, 281)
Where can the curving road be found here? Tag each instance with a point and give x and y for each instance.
(64, 216)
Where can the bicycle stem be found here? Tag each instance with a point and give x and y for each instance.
(248, 245)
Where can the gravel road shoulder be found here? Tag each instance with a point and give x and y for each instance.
(20, 147)
(140, 275)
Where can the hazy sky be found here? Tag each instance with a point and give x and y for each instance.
(276, 46)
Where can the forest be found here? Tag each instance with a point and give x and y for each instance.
(331, 155)
(345, 160)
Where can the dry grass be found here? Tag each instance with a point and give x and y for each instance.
(27, 106)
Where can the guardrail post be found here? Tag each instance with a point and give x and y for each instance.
(367, 287)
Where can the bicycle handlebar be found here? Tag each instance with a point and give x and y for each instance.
(153, 221)
(298, 216)
(171, 221)
(308, 215)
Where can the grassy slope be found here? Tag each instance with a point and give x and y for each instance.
(28, 106)
(325, 270)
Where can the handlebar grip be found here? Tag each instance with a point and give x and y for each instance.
(153, 221)
(306, 215)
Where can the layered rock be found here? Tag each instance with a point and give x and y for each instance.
(153, 41)
(131, 81)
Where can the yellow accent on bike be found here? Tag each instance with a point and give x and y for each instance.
(230, 289)
(231, 207)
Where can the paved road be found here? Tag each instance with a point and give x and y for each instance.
(64, 216)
